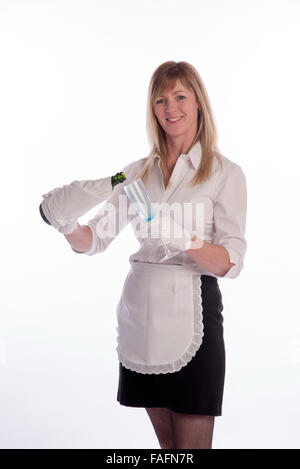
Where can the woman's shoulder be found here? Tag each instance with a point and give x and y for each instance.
(227, 167)
(134, 166)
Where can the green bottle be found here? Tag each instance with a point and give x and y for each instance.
(117, 178)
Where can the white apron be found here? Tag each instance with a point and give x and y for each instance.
(160, 326)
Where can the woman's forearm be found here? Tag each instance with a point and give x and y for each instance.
(211, 257)
(81, 239)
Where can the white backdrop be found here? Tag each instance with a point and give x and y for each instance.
(73, 85)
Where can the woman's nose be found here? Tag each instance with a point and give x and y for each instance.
(170, 107)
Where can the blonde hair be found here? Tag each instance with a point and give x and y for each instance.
(164, 78)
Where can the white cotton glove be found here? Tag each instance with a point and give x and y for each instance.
(166, 231)
(64, 205)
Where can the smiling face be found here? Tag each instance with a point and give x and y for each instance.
(177, 112)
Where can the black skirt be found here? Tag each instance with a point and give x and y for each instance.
(197, 388)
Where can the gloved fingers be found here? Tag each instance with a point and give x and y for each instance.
(69, 227)
(48, 194)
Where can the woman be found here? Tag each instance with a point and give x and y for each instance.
(170, 324)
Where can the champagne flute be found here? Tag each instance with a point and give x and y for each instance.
(139, 196)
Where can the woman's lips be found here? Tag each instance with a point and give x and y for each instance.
(174, 122)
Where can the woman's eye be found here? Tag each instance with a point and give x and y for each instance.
(180, 96)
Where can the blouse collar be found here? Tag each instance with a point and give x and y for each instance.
(194, 155)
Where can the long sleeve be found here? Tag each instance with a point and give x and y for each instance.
(112, 217)
(230, 210)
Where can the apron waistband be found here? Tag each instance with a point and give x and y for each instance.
(145, 267)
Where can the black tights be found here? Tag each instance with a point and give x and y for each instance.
(176, 430)
(192, 431)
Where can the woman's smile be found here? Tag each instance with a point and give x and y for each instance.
(174, 121)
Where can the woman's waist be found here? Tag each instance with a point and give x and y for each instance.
(144, 267)
(148, 257)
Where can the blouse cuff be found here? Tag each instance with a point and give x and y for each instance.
(234, 258)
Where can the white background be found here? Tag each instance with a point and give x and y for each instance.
(73, 84)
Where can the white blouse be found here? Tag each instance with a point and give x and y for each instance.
(160, 320)
(223, 196)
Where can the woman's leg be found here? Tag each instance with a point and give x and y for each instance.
(192, 431)
(161, 421)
